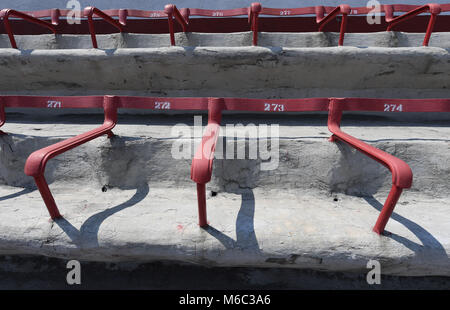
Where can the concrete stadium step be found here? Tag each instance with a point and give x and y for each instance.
(142, 152)
(128, 199)
(259, 72)
(258, 228)
(285, 39)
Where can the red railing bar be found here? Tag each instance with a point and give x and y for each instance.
(445, 7)
(253, 13)
(288, 11)
(396, 105)
(230, 104)
(343, 9)
(36, 162)
(162, 103)
(433, 8)
(89, 13)
(276, 105)
(218, 13)
(6, 13)
(401, 173)
(172, 12)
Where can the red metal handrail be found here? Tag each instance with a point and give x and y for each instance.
(322, 20)
(172, 11)
(36, 162)
(6, 13)
(433, 8)
(89, 13)
(401, 173)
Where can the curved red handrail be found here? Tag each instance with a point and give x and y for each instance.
(36, 162)
(322, 20)
(401, 173)
(433, 8)
(89, 13)
(6, 13)
(202, 163)
(172, 12)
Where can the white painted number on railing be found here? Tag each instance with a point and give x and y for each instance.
(155, 14)
(162, 105)
(53, 104)
(285, 12)
(275, 107)
(217, 14)
(393, 108)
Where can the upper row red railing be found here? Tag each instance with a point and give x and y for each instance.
(202, 163)
(324, 15)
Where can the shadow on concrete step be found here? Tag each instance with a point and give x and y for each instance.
(245, 229)
(427, 239)
(87, 236)
(17, 194)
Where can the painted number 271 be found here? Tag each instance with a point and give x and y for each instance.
(393, 108)
(53, 104)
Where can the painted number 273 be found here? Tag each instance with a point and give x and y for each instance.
(393, 108)
(274, 107)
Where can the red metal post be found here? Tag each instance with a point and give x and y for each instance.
(255, 9)
(168, 9)
(387, 210)
(201, 198)
(47, 196)
(55, 16)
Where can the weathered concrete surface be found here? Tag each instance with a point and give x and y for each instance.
(265, 39)
(264, 72)
(316, 210)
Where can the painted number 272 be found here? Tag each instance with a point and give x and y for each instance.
(393, 108)
(165, 105)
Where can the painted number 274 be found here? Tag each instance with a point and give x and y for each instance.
(393, 108)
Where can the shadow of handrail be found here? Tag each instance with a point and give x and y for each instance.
(87, 236)
(245, 229)
(427, 239)
(22, 192)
